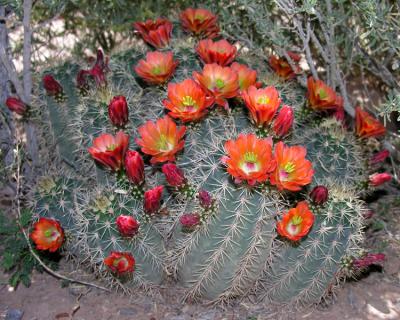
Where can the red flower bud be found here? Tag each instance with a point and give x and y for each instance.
(319, 195)
(98, 71)
(368, 214)
(16, 105)
(52, 86)
(118, 111)
(134, 167)
(369, 259)
(205, 199)
(284, 121)
(120, 262)
(377, 179)
(152, 200)
(380, 157)
(189, 220)
(127, 225)
(173, 174)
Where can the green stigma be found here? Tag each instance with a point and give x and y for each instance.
(263, 100)
(111, 147)
(163, 143)
(156, 70)
(296, 220)
(250, 157)
(188, 101)
(48, 233)
(219, 83)
(289, 167)
(322, 94)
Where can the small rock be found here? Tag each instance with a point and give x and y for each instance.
(127, 312)
(14, 314)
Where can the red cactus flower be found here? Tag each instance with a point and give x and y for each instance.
(262, 104)
(52, 86)
(378, 179)
(120, 262)
(156, 33)
(283, 122)
(205, 199)
(162, 140)
(152, 200)
(16, 105)
(367, 126)
(110, 150)
(221, 82)
(47, 234)
(157, 68)
(319, 195)
(322, 97)
(118, 111)
(247, 77)
(282, 67)
(134, 167)
(220, 52)
(127, 226)
(296, 223)
(189, 220)
(293, 170)
(82, 81)
(97, 72)
(379, 157)
(200, 22)
(174, 175)
(368, 260)
(187, 101)
(249, 158)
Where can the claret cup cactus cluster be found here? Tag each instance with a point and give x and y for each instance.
(190, 161)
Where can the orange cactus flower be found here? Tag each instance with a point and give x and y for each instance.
(367, 126)
(221, 82)
(47, 234)
(262, 104)
(162, 139)
(296, 223)
(187, 101)
(156, 33)
(246, 76)
(200, 22)
(282, 67)
(220, 52)
(157, 68)
(249, 158)
(120, 262)
(322, 97)
(293, 170)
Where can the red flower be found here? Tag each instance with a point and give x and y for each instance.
(205, 199)
(189, 220)
(377, 179)
(247, 77)
(380, 157)
(109, 150)
(152, 200)
(97, 72)
(134, 167)
(200, 22)
(262, 104)
(162, 140)
(173, 174)
(52, 86)
(81, 81)
(282, 67)
(16, 105)
(221, 82)
(187, 101)
(220, 52)
(367, 126)
(156, 33)
(322, 97)
(319, 195)
(249, 158)
(157, 68)
(47, 234)
(120, 262)
(293, 170)
(118, 111)
(284, 121)
(296, 223)
(127, 226)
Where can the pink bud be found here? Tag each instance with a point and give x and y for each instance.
(319, 195)
(51, 85)
(173, 174)
(127, 225)
(134, 167)
(377, 179)
(152, 200)
(380, 157)
(369, 259)
(16, 105)
(189, 220)
(205, 199)
(284, 121)
(118, 111)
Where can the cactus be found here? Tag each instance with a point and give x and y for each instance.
(233, 249)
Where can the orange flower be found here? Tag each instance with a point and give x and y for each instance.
(367, 126)
(200, 22)
(220, 52)
(162, 140)
(322, 97)
(187, 101)
(157, 68)
(221, 82)
(47, 234)
(249, 158)
(282, 67)
(293, 170)
(262, 104)
(120, 262)
(156, 33)
(247, 77)
(296, 223)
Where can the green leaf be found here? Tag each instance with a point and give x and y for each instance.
(8, 261)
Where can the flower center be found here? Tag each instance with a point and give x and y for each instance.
(163, 144)
(263, 100)
(201, 18)
(289, 167)
(189, 103)
(322, 94)
(219, 83)
(250, 163)
(286, 170)
(111, 147)
(296, 220)
(48, 233)
(156, 70)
